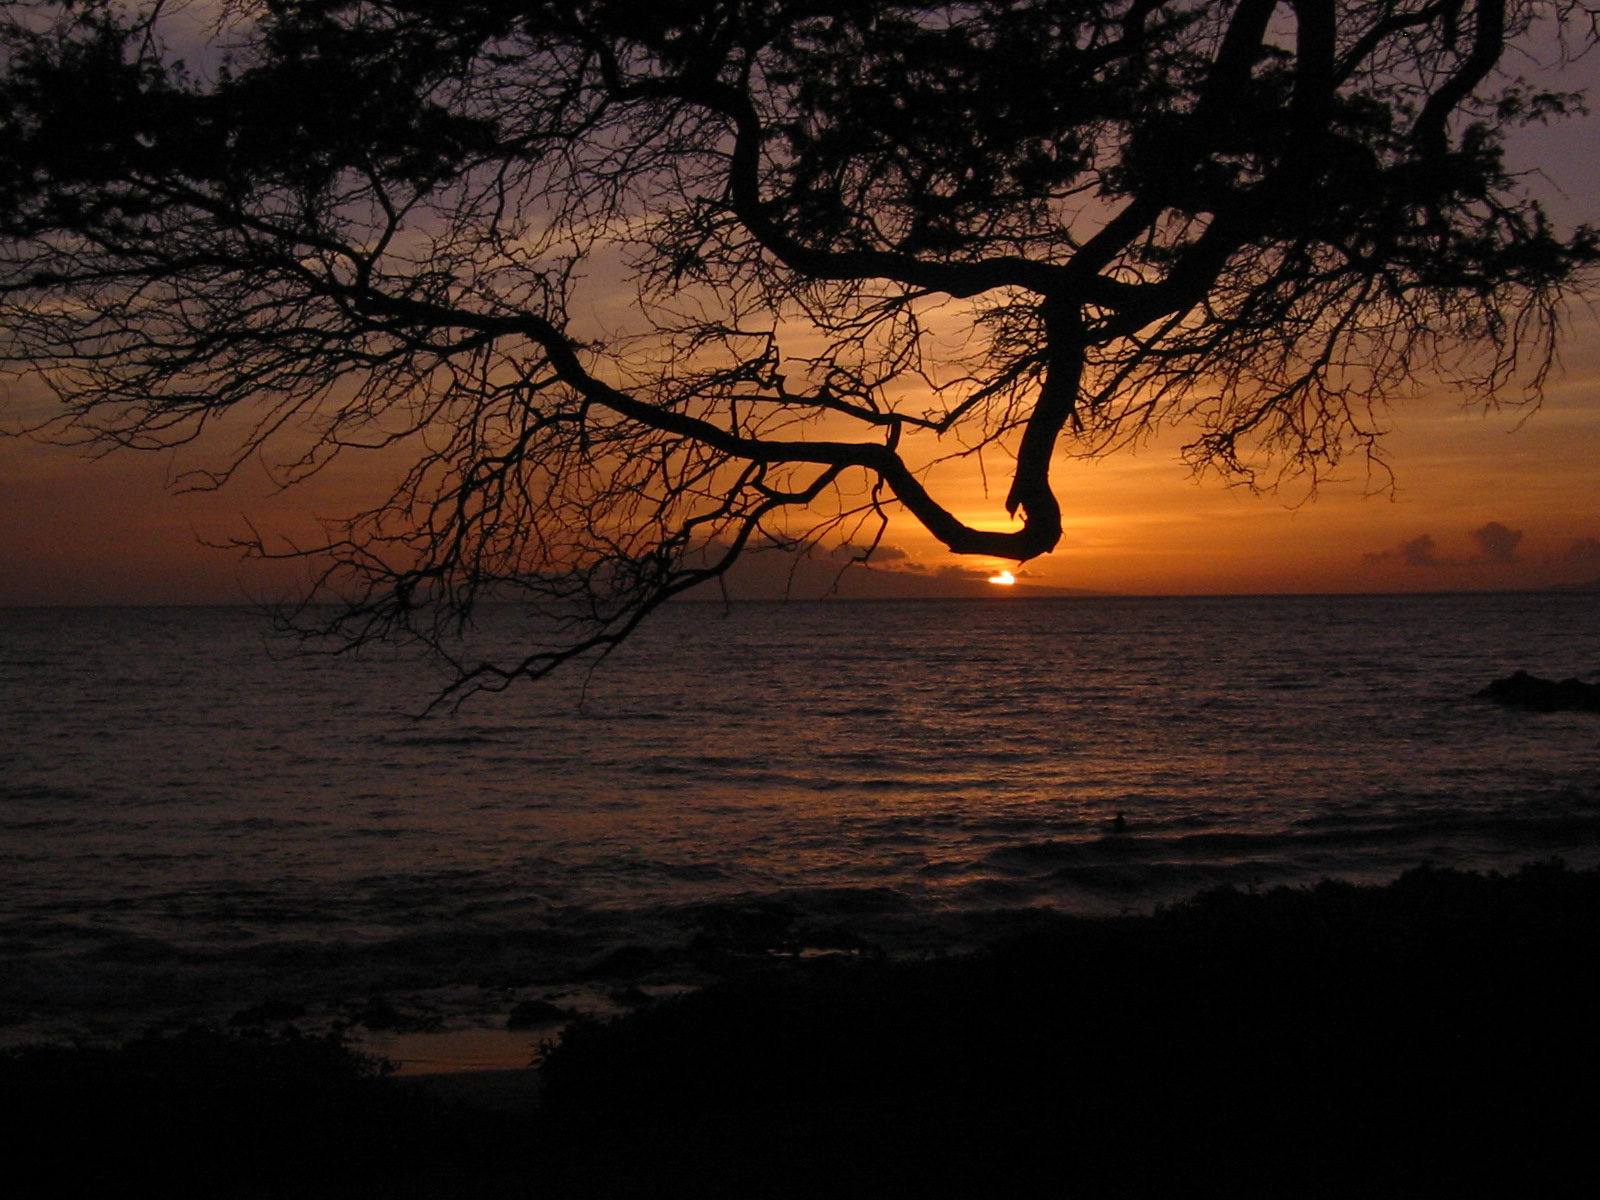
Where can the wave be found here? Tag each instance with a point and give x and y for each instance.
(44, 792)
(427, 740)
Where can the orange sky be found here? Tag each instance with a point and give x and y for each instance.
(1505, 500)
(108, 531)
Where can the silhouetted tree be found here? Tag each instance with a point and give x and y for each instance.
(638, 285)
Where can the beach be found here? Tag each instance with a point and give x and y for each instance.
(1431, 1037)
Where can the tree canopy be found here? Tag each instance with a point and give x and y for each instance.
(637, 287)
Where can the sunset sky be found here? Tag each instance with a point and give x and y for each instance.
(1508, 499)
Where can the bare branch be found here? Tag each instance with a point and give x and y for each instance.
(631, 291)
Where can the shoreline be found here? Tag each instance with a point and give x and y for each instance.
(1431, 1036)
(447, 1000)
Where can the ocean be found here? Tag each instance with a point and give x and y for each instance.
(197, 824)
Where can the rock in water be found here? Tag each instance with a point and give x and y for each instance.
(1522, 690)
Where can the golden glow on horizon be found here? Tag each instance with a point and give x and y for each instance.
(1004, 578)
(109, 532)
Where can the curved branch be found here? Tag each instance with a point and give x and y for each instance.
(1430, 133)
(1041, 525)
(960, 280)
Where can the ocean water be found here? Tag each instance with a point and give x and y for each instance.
(193, 822)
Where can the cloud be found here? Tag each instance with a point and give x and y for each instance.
(1498, 544)
(1423, 552)
(849, 551)
(1584, 551)
(1418, 552)
(956, 571)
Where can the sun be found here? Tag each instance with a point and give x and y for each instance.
(1003, 578)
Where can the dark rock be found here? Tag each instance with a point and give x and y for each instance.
(1318, 1043)
(536, 1012)
(1522, 690)
(627, 961)
(381, 1016)
(268, 1012)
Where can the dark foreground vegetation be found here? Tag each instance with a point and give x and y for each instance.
(1435, 1037)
